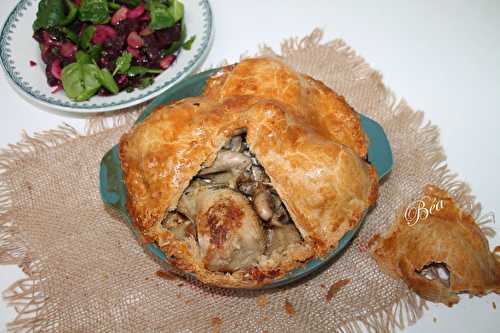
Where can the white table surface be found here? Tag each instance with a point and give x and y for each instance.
(443, 57)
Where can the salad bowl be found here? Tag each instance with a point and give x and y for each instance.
(21, 60)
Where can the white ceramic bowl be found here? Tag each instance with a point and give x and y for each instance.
(18, 48)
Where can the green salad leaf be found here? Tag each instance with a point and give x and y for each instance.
(95, 51)
(176, 9)
(107, 80)
(187, 45)
(72, 11)
(86, 36)
(130, 3)
(123, 63)
(145, 82)
(139, 70)
(113, 5)
(71, 35)
(81, 80)
(50, 14)
(164, 14)
(95, 11)
(83, 58)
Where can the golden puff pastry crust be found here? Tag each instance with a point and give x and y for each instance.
(447, 238)
(309, 99)
(325, 186)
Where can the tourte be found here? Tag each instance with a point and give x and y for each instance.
(263, 172)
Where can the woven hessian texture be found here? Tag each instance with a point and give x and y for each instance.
(87, 273)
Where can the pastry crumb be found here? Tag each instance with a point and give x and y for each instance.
(189, 301)
(265, 331)
(178, 295)
(434, 319)
(334, 289)
(322, 286)
(289, 308)
(166, 275)
(494, 305)
(180, 285)
(261, 300)
(216, 322)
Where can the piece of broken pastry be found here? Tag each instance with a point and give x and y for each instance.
(442, 254)
(241, 190)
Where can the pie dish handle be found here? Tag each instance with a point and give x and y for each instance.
(379, 149)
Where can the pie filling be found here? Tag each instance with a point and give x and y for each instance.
(233, 211)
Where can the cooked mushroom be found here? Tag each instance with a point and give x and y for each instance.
(227, 161)
(263, 203)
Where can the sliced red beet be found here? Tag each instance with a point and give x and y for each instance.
(167, 61)
(136, 12)
(68, 50)
(48, 39)
(55, 69)
(134, 40)
(120, 15)
(32, 63)
(45, 50)
(134, 52)
(103, 32)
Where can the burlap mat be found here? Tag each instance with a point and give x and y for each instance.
(88, 274)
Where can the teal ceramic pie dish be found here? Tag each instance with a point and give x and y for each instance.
(114, 192)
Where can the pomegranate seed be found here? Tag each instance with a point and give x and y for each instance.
(120, 15)
(134, 40)
(55, 69)
(32, 63)
(136, 12)
(146, 31)
(134, 52)
(167, 61)
(68, 50)
(102, 33)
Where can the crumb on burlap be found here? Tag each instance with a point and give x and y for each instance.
(494, 305)
(180, 285)
(322, 286)
(166, 275)
(189, 301)
(178, 295)
(289, 308)
(334, 289)
(216, 323)
(261, 300)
